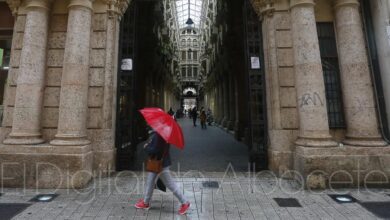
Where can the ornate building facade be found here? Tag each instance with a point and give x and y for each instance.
(319, 109)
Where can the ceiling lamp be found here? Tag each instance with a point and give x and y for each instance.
(189, 21)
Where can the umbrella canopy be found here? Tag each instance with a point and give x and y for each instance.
(164, 125)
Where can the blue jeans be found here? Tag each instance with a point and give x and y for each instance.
(166, 177)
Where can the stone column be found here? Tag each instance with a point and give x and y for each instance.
(313, 116)
(225, 101)
(232, 104)
(220, 103)
(27, 114)
(380, 20)
(359, 104)
(74, 84)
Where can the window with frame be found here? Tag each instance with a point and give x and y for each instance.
(183, 55)
(331, 70)
(195, 72)
(183, 72)
(189, 71)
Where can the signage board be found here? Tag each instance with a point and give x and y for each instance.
(127, 64)
(255, 62)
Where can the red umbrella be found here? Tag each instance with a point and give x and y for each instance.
(164, 125)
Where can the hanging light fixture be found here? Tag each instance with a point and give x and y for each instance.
(189, 21)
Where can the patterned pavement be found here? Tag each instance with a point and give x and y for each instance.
(238, 196)
(212, 173)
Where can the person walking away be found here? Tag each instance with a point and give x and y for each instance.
(171, 112)
(194, 115)
(158, 147)
(203, 118)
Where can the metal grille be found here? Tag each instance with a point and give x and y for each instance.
(256, 83)
(288, 202)
(125, 136)
(330, 66)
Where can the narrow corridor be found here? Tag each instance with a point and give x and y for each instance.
(212, 149)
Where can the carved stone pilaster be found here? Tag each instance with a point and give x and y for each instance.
(263, 7)
(14, 6)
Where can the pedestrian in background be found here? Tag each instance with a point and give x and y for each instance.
(171, 112)
(194, 114)
(203, 118)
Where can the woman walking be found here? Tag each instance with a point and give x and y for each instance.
(159, 159)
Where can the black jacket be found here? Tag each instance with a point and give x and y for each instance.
(159, 147)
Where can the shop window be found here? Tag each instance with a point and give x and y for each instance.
(330, 66)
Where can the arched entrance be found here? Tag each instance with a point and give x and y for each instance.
(217, 65)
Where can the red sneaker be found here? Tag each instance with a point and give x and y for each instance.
(142, 205)
(184, 208)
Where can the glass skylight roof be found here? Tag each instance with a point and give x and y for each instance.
(194, 12)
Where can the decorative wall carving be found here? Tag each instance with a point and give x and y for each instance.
(117, 7)
(14, 5)
(263, 7)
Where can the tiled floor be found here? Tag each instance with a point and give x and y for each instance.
(238, 197)
(210, 155)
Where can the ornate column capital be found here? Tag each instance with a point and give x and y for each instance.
(81, 3)
(117, 7)
(341, 3)
(263, 7)
(14, 6)
(301, 3)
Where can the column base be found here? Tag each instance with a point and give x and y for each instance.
(315, 142)
(45, 166)
(230, 125)
(22, 139)
(223, 122)
(216, 120)
(342, 167)
(365, 142)
(61, 140)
